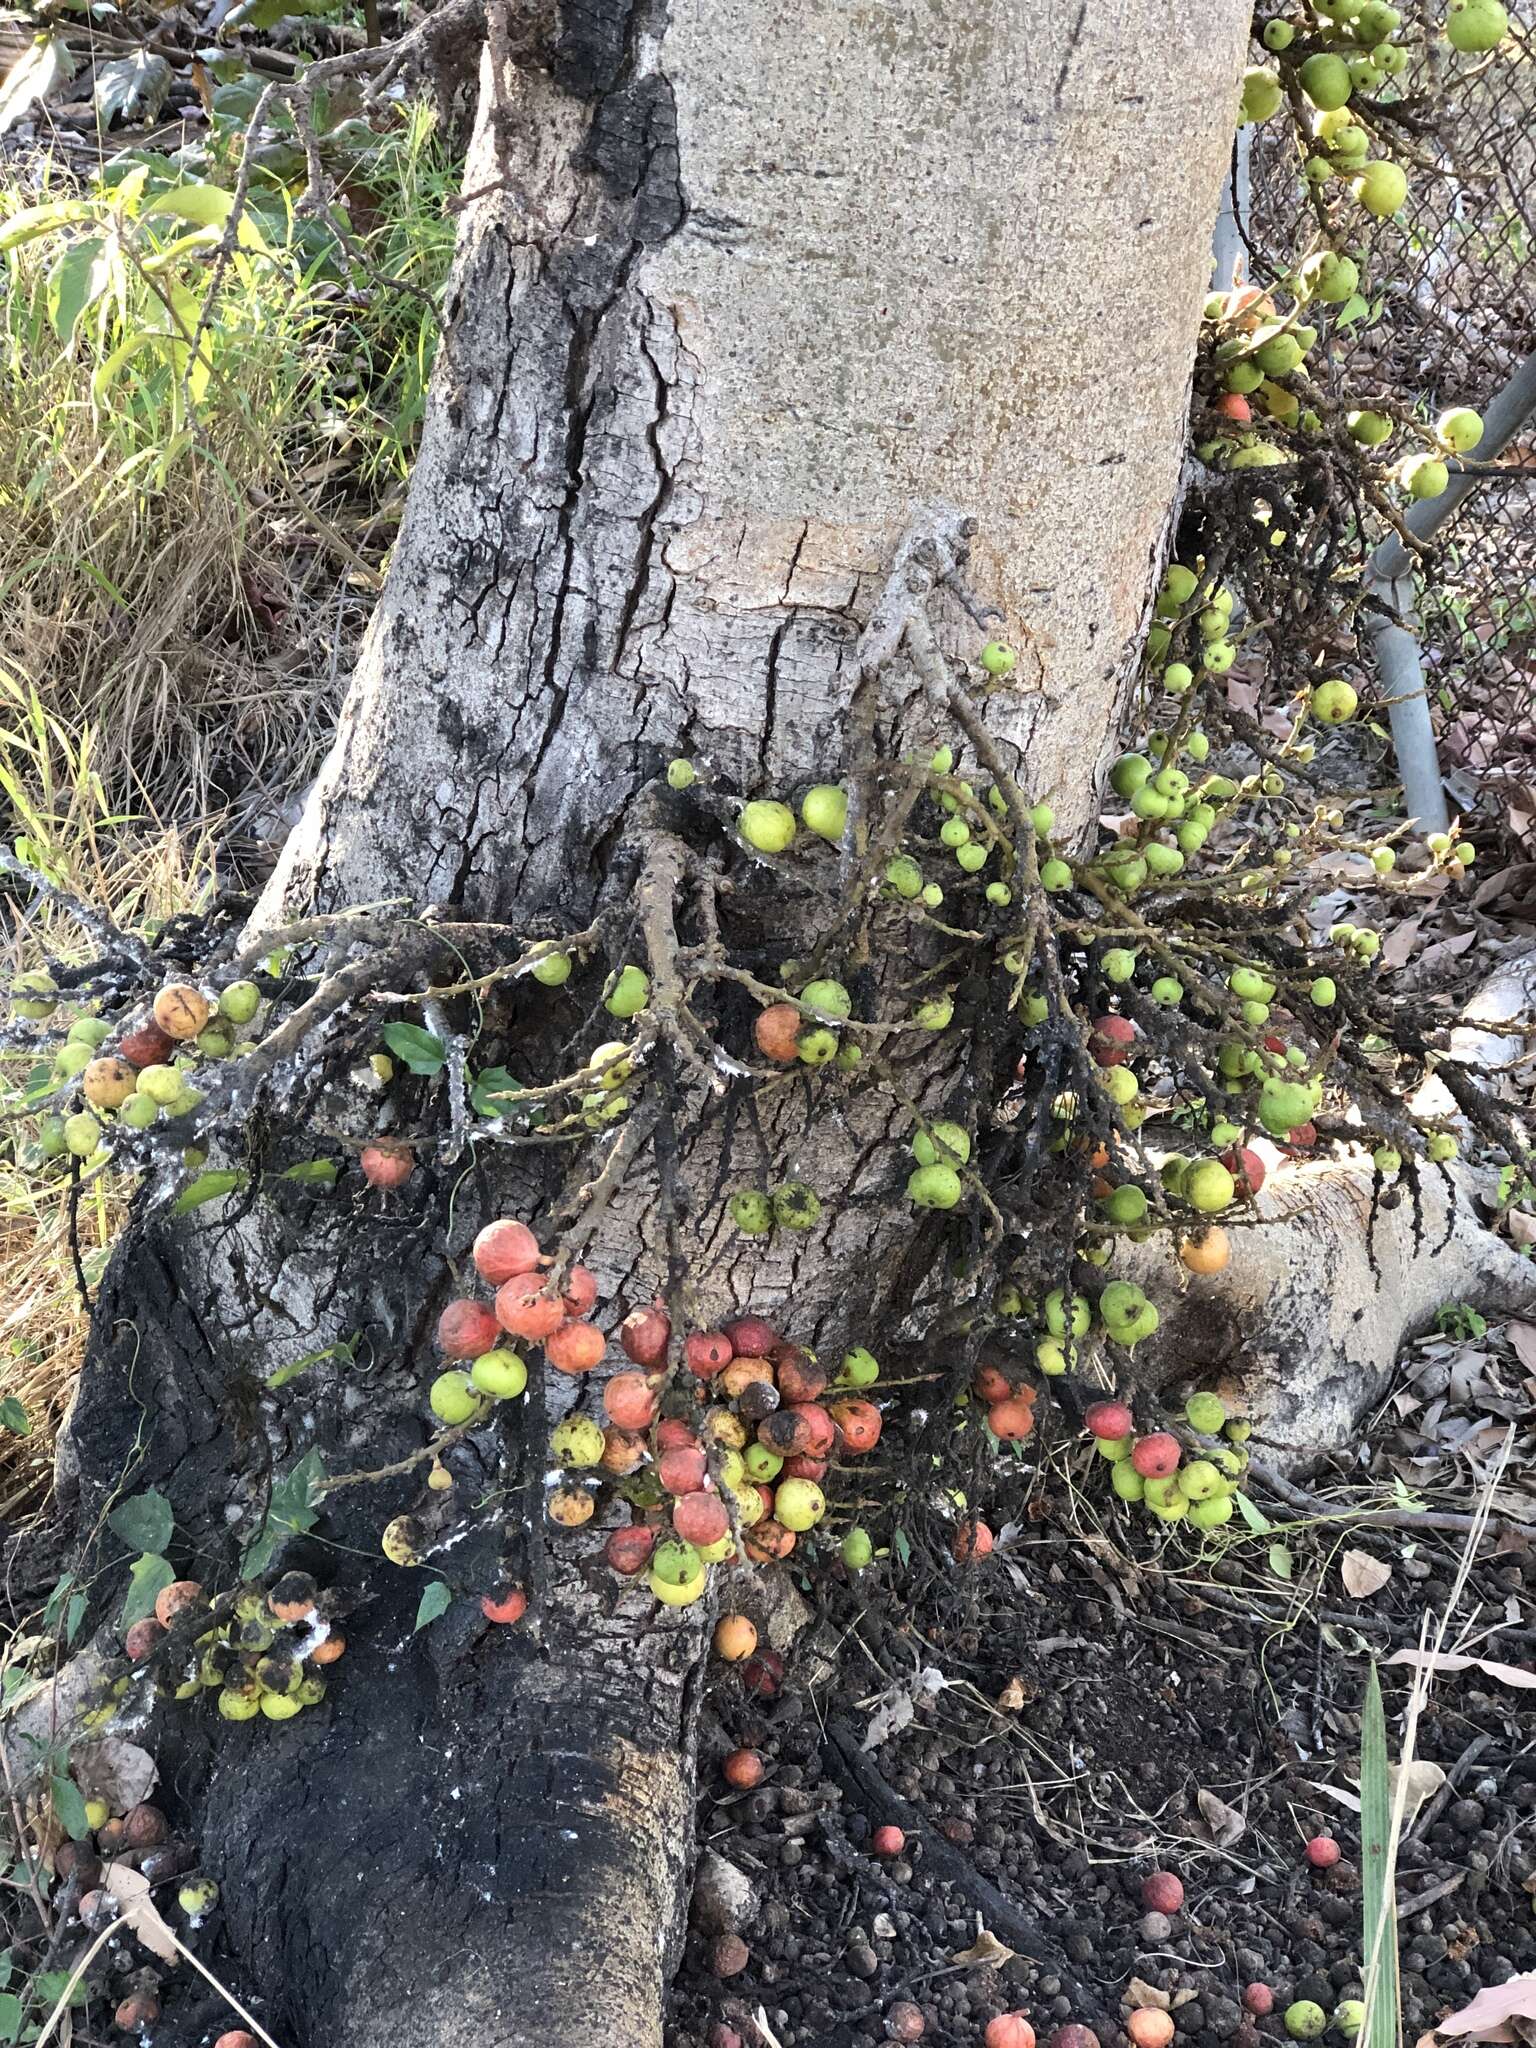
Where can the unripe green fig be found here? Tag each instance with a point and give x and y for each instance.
(954, 832)
(1262, 94)
(942, 1144)
(1460, 429)
(553, 970)
(1212, 1512)
(1199, 1480)
(1000, 894)
(1205, 1412)
(627, 992)
(998, 659)
(1167, 990)
(1331, 277)
(454, 1398)
(82, 1134)
(1474, 26)
(934, 1014)
(817, 1045)
(1278, 35)
(860, 1368)
(501, 1374)
(1334, 702)
(138, 1112)
(1304, 2020)
(1325, 81)
(239, 1002)
(1425, 475)
(1370, 429)
(1055, 876)
(933, 895)
(795, 1206)
(934, 1187)
(1280, 354)
(1285, 1104)
(1119, 963)
(768, 826)
(681, 774)
(857, 1549)
(752, 1212)
(1178, 677)
(1162, 860)
(1177, 588)
(72, 1058)
(1243, 377)
(824, 810)
(1208, 1186)
(1380, 187)
(1440, 1147)
(34, 995)
(1126, 1481)
(91, 1031)
(1324, 992)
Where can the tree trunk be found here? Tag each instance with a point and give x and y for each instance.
(736, 293)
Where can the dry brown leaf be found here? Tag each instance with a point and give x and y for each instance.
(986, 1948)
(1444, 1660)
(1140, 1993)
(140, 1912)
(1224, 1822)
(1493, 2006)
(1422, 1781)
(1012, 1696)
(1523, 1337)
(119, 1772)
(1363, 1574)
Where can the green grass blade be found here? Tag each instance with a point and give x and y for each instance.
(1383, 2018)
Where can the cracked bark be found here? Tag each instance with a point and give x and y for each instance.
(759, 277)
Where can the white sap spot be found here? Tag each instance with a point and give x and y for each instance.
(569, 1835)
(445, 793)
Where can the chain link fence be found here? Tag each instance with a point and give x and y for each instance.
(1451, 286)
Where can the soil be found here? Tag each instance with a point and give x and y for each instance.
(1093, 1688)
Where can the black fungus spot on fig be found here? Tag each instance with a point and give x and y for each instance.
(293, 1596)
(758, 1399)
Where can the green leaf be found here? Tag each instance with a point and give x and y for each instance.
(74, 1614)
(435, 1600)
(10, 2016)
(319, 1172)
(7, 1967)
(1351, 310)
(345, 1349)
(75, 283)
(48, 1987)
(40, 69)
(56, 1599)
(14, 1417)
(492, 1091)
(209, 206)
(69, 1806)
(1281, 1562)
(290, 1512)
(132, 86)
(1256, 1519)
(143, 1522)
(29, 222)
(146, 1582)
(901, 1546)
(208, 1187)
(421, 1051)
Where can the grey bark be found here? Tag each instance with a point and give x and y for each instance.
(750, 280)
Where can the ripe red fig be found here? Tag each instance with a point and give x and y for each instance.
(681, 1470)
(507, 1603)
(991, 1384)
(141, 1639)
(386, 1165)
(788, 1432)
(905, 2022)
(744, 1769)
(580, 1291)
(801, 1378)
(1323, 1852)
(729, 1956)
(700, 1518)
(1258, 1999)
(859, 1424)
(1073, 2035)
(673, 1434)
(1011, 1419)
(1110, 1039)
(751, 1337)
(644, 1335)
(1233, 406)
(763, 1673)
(1110, 1420)
(173, 1601)
(144, 1827)
(973, 1540)
(805, 1467)
(823, 1429)
(504, 1248)
(1156, 1457)
(1162, 1892)
(465, 1329)
(575, 1347)
(144, 1044)
(887, 1841)
(630, 1400)
(524, 1310)
(768, 1540)
(777, 1031)
(707, 1352)
(1245, 1167)
(629, 1550)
